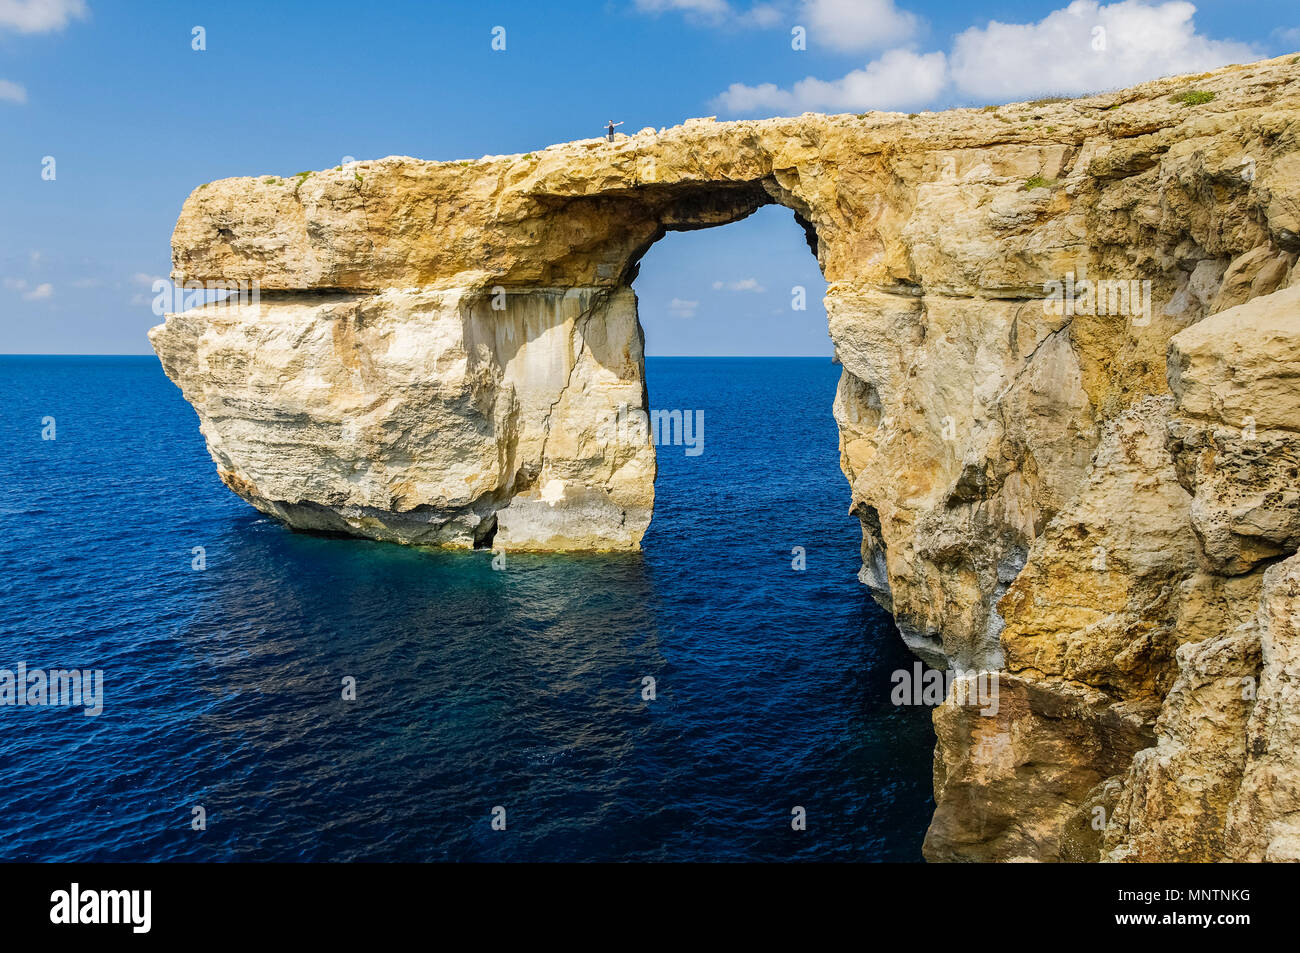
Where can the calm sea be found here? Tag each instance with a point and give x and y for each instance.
(476, 688)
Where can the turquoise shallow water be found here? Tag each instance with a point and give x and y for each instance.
(476, 688)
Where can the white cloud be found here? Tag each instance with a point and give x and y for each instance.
(709, 8)
(1085, 47)
(857, 24)
(744, 284)
(1291, 36)
(717, 12)
(765, 15)
(40, 16)
(683, 309)
(899, 79)
(1059, 54)
(145, 280)
(34, 16)
(15, 284)
(40, 292)
(833, 24)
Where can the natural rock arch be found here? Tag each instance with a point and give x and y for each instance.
(437, 344)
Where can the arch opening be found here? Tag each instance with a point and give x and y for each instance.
(760, 519)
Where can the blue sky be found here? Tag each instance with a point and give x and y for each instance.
(135, 118)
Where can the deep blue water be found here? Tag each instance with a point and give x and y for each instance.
(476, 688)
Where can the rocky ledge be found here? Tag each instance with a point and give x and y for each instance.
(1069, 409)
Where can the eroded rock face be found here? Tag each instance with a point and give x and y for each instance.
(1019, 786)
(1264, 815)
(1223, 780)
(440, 348)
(1157, 595)
(415, 416)
(1238, 442)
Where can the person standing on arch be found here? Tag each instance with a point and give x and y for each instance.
(609, 129)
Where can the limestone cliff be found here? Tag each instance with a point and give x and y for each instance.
(1091, 493)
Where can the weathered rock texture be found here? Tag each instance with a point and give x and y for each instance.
(415, 415)
(1092, 498)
